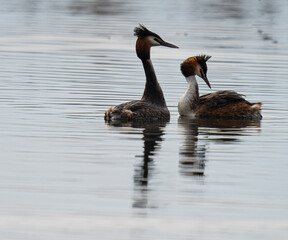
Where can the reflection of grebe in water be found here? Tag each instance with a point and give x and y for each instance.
(152, 105)
(144, 171)
(193, 149)
(192, 154)
(152, 137)
(220, 104)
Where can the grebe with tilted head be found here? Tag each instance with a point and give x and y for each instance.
(152, 105)
(220, 104)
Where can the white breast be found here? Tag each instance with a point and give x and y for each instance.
(184, 106)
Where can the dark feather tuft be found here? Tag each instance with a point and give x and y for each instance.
(142, 31)
(201, 59)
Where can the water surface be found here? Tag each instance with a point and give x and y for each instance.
(66, 174)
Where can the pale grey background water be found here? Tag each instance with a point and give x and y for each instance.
(65, 174)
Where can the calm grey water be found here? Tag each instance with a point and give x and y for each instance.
(65, 174)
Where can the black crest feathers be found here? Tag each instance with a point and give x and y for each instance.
(202, 59)
(142, 31)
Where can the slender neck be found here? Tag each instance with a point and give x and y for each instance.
(189, 102)
(192, 91)
(153, 92)
(192, 88)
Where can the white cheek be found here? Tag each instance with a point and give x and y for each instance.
(198, 71)
(153, 42)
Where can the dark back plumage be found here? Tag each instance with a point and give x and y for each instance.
(142, 31)
(222, 98)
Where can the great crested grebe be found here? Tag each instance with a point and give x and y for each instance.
(152, 105)
(220, 104)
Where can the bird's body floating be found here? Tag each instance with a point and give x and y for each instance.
(221, 104)
(152, 105)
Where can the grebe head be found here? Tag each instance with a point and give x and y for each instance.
(196, 66)
(146, 40)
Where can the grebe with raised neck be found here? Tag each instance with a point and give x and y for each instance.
(152, 105)
(221, 104)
